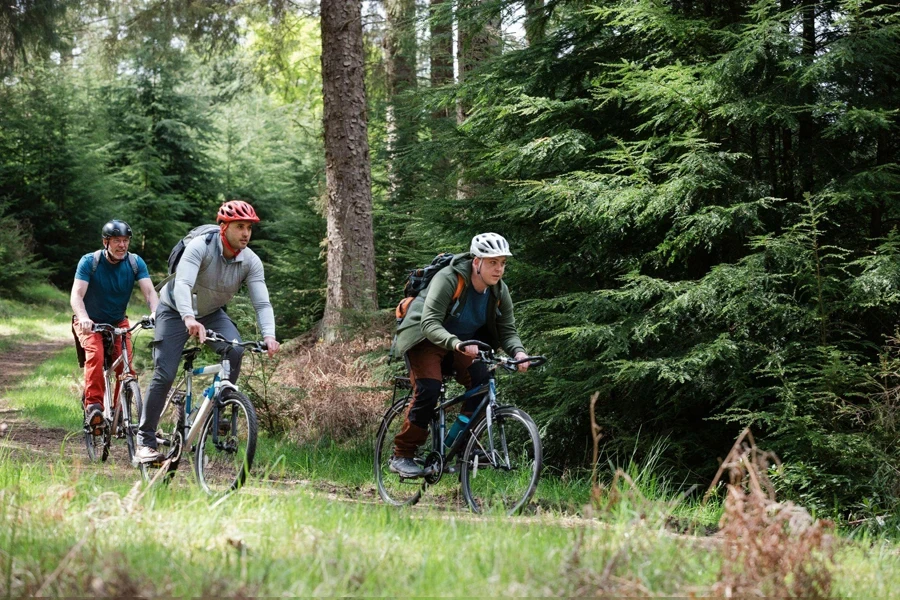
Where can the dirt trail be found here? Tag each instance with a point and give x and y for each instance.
(28, 438)
(16, 432)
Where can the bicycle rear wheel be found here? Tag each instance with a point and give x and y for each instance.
(96, 442)
(226, 445)
(391, 487)
(169, 435)
(502, 464)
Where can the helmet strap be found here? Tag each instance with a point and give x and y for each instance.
(225, 243)
(109, 257)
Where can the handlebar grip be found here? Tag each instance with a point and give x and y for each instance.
(536, 361)
(481, 345)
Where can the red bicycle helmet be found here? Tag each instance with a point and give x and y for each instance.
(236, 210)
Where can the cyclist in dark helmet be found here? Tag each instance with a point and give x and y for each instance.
(208, 275)
(103, 283)
(431, 334)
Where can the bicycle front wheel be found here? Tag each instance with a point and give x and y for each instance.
(96, 440)
(130, 406)
(227, 444)
(502, 463)
(391, 487)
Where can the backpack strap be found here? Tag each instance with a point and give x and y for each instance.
(95, 261)
(131, 260)
(460, 286)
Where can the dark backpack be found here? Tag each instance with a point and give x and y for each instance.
(419, 279)
(209, 231)
(131, 259)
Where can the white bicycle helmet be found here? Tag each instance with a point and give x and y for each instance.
(487, 245)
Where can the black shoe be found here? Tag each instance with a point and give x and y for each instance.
(405, 467)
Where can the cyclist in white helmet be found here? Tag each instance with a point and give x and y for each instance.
(466, 300)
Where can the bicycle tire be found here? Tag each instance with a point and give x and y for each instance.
(391, 488)
(129, 410)
(169, 432)
(94, 439)
(227, 444)
(500, 471)
(96, 443)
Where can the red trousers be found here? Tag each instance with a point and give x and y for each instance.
(94, 384)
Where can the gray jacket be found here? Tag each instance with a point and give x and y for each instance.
(205, 281)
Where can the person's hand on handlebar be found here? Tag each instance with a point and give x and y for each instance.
(523, 366)
(470, 350)
(272, 345)
(195, 328)
(86, 325)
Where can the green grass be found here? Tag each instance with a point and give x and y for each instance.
(40, 315)
(312, 524)
(99, 535)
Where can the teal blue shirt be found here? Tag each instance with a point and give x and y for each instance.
(109, 287)
(473, 316)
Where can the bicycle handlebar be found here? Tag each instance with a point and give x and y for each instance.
(144, 323)
(536, 361)
(486, 354)
(253, 346)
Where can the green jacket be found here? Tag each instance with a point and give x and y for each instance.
(427, 313)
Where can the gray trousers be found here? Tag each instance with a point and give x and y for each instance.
(169, 339)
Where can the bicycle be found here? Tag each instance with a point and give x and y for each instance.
(499, 450)
(223, 426)
(120, 411)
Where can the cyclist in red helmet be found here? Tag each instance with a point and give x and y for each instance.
(209, 273)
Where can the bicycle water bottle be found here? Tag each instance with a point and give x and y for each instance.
(458, 425)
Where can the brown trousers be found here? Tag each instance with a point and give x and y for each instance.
(427, 364)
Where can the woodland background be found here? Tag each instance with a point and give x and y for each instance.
(701, 197)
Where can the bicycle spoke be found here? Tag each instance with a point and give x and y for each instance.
(227, 445)
(391, 487)
(168, 435)
(502, 465)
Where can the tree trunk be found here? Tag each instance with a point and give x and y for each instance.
(806, 127)
(440, 26)
(351, 246)
(534, 21)
(478, 38)
(400, 63)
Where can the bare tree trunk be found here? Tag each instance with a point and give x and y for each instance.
(478, 38)
(806, 128)
(441, 45)
(351, 246)
(534, 21)
(400, 63)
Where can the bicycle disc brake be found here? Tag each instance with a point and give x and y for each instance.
(434, 467)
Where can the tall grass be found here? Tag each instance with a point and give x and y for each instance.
(70, 531)
(308, 524)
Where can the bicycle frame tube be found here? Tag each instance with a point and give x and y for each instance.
(209, 402)
(490, 391)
